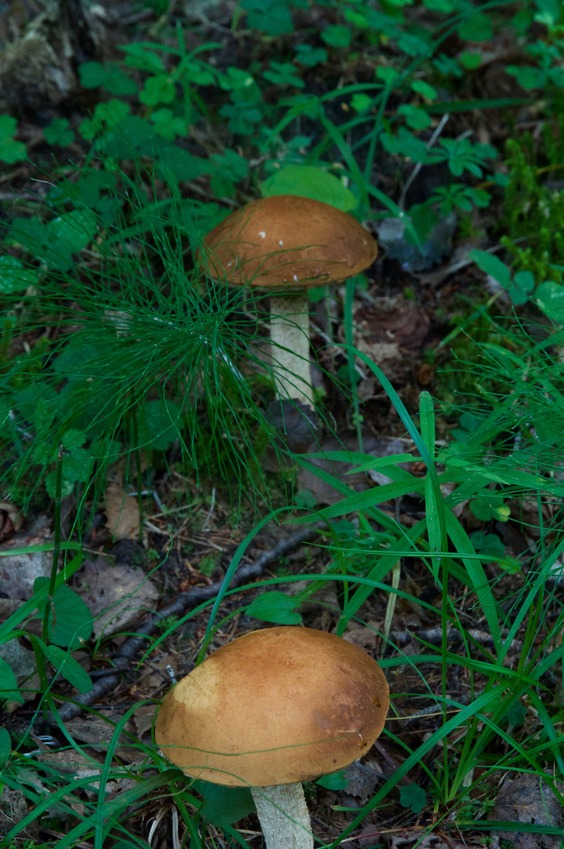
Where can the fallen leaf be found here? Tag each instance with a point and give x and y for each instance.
(117, 594)
(122, 513)
(527, 799)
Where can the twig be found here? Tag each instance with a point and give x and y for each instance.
(182, 603)
(453, 635)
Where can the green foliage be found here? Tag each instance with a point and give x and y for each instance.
(533, 207)
(66, 626)
(224, 806)
(275, 607)
(413, 796)
(309, 181)
(11, 150)
(273, 17)
(148, 365)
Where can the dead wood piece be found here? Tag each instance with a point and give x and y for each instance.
(42, 49)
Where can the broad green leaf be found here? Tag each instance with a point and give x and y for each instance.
(523, 285)
(59, 132)
(138, 56)
(334, 780)
(270, 16)
(415, 117)
(476, 26)
(67, 666)
(73, 438)
(108, 76)
(77, 466)
(550, 299)
(158, 427)
(10, 150)
(424, 89)
(224, 805)
(5, 746)
(70, 620)
(527, 76)
(493, 266)
(9, 685)
(413, 796)
(276, 607)
(311, 182)
(337, 35)
(14, 277)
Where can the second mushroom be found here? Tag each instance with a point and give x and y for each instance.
(288, 244)
(269, 710)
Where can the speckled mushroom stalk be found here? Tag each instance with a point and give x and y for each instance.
(283, 815)
(289, 334)
(288, 244)
(270, 710)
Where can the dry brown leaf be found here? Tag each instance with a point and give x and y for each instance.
(117, 595)
(122, 513)
(527, 799)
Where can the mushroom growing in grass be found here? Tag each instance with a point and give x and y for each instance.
(269, 710)
(288, 244)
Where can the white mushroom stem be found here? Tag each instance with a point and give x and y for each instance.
(289, 333)
(283, 816)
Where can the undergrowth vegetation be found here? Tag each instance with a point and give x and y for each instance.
(439, 125)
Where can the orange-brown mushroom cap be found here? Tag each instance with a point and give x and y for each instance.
(276, 706)
(288, 242)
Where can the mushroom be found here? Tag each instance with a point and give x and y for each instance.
(269, 710)
(289, 244)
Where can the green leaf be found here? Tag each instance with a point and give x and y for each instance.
(550, 299)
(158, 89)
(413, 796)
(138, 56)
(361, 102)
(224, 805)
(66, 665)
(276, 607)
(488, 506)
(424, 89)
(523, 285)
(108, 76)
(333, 781)
(476, 27)
(10, 150)
(310, 56)
(493, 266)
(337, 35)
(106, 116)
(73, 438)
(9, 685)
(405, 143)
(56, 241)
(270, 16)
(309, 181)
(167, 124)
(528, 77)
(158, 427)
(14, 277)
(77, 466)
(70, 620)
(414, 45)
(5, 746)
(415, 117)
(489, 544)
(59, 132)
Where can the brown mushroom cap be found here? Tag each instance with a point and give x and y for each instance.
(276, 706)
(288, 242)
